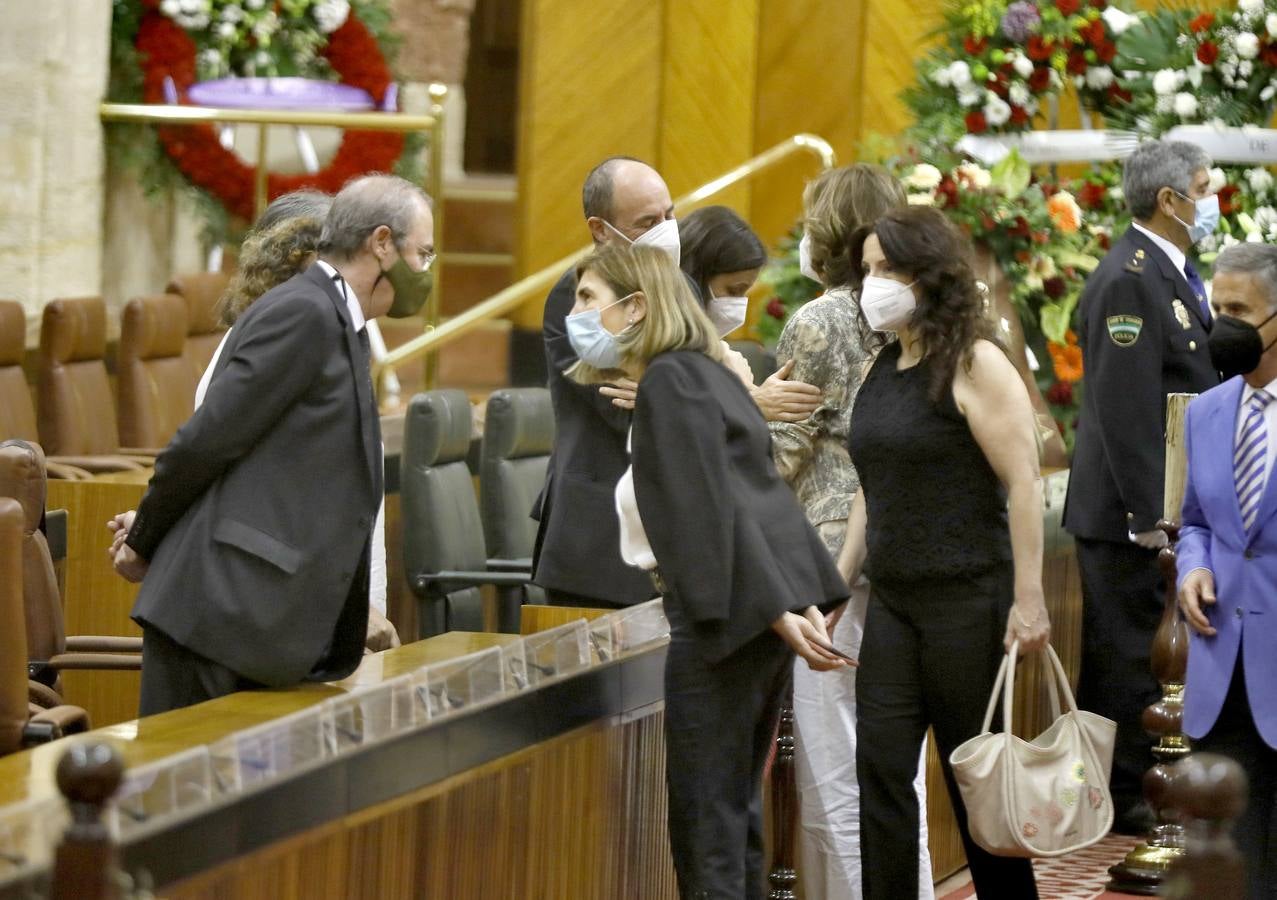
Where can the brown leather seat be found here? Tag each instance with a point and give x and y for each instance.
(202, 292)
(17, 407)
(48, 649)
(154, 382)
(17, 412)
(21, 722)
(76, 412)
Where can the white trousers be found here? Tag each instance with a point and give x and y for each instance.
(825, 767)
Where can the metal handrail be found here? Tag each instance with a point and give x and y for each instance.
(540, 281)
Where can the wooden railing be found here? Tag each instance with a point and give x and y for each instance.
(539, 283)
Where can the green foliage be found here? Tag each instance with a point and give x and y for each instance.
(1012, 174)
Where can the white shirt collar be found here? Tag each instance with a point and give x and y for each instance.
(1247, 390)
(357, 319)
(1173, 253)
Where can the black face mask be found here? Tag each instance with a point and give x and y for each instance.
(1235, 345)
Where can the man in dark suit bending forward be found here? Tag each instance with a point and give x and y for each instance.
(252, 541)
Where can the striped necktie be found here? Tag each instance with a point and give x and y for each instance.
(1250, 459)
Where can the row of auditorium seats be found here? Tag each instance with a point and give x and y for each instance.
(34, 646)
(165, 343)
(454, 542)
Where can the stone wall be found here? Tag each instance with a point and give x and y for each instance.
(53, 71)
(72, 222)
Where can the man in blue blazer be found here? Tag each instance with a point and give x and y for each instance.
(1227, 555)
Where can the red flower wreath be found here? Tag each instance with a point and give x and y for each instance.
(167, 50)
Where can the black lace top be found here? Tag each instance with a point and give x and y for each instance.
(935, 507)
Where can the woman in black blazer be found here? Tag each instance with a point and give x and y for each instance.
(743, 575)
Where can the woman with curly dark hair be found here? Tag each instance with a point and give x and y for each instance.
(947, 525)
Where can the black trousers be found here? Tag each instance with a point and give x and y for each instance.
(929, 656)
(1122, 600)
(1235, 736)
(719, 723)
(174, 677)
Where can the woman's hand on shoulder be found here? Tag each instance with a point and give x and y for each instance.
(782, 400)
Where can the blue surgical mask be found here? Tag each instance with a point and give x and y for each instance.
(1205, 219)
(593, 343)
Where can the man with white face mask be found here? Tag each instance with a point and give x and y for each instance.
(1143, 333)
(577, 556)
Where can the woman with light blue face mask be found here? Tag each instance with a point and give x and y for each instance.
(743, 577)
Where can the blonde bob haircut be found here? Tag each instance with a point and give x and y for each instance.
(674, 318)
(837, 203)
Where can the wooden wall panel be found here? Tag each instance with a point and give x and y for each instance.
(707, 108)
(580, 816)
(96, 600)
(590, 87)
(810, 78)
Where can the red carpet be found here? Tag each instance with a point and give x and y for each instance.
(1078, 876)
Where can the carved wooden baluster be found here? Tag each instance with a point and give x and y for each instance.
(84, 869)
(1144, 868)
(784, 789)
(1210, 793)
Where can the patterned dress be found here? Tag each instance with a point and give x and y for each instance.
(823, 339)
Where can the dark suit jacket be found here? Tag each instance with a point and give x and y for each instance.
(1142, 337)
(578, 539)
(257, 520)
(731, 541)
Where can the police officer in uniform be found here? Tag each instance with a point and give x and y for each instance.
(1144, 325)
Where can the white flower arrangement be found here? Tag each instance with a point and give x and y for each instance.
(258, 37)
(1099, 77)
(923, 177)
(1260, 180)
(1247, 46)
(974, 176)
(996, 110)
(1167, 82)
(1117, 20)
(1185, 105)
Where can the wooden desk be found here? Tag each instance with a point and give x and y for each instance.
(556, 791)
(96, 600)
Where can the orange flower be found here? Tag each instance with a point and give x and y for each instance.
(1066, 359)
(1065, 213)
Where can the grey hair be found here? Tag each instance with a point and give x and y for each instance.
(596, 193)
(303, 204)
(1158, 164)
(1258, 260)
(366, 203)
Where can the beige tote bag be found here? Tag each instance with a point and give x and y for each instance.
(1044, 797)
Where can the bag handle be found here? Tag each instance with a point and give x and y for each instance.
(1056, 678)
(997, 686)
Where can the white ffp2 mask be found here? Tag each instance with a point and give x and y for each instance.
(886, 304)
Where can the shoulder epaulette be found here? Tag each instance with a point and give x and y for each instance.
(1136, 263)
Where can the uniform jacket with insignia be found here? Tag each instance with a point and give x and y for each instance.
(1143, 336)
